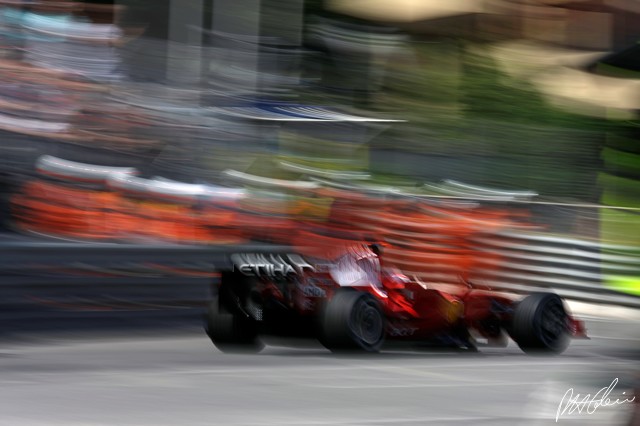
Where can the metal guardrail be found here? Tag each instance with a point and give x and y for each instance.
(68, 254)
(45, 282)
(573, 268)
(517, 262)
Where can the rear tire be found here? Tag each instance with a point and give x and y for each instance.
(230, 329)
(540, 324)
(352, 321)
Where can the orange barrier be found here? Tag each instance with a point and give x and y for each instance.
(434, 242)
(320, 246)
(61, 209)
(270, 229)
(174, 222)
(57, 219)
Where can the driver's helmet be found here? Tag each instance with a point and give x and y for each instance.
(377, 248)
(358, 266)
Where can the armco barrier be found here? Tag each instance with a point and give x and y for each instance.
(64, 284)
(61, 254)
(529, 262)
(572, 267)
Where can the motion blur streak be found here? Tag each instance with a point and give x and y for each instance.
(489, 143)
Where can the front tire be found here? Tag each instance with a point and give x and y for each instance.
(541, 324)
(353, 321)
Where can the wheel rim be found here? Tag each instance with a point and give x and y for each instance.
(366, 323)
(553, 323)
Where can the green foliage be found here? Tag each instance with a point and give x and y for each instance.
(460, 104)
(491, 93)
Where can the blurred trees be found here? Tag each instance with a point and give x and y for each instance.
(501, 130)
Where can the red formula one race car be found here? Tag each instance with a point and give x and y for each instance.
(352, 304)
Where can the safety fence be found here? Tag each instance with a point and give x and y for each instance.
(152, 231)
(574, 268)
(514, 262)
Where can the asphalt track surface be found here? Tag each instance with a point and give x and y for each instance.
(177, 377)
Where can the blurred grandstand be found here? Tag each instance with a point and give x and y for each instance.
(212, 127)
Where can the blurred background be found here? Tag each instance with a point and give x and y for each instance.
(141, 141)
(490, 139)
